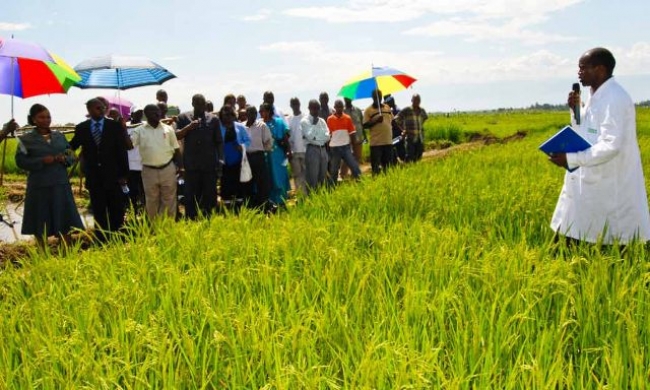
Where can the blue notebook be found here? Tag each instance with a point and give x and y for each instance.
(565, 141)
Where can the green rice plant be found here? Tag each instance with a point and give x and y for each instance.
(491, 124)
(9, 148)
(440, 274)
(448, 132)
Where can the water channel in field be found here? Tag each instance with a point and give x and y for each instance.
(12, 214)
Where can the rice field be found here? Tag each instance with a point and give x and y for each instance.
(436, 275)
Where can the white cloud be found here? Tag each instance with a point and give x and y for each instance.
(14, 26)
(632, 60)
(263, 14)
(476, 20)
(399, 11)
(512, 9)
(477, 30)
(429, 67)
(293, 47)
(378, 13)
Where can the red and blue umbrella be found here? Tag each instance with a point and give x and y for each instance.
(27, 70)
(388, 80)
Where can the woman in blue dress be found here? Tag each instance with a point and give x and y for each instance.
(49, 205)
(278, 159)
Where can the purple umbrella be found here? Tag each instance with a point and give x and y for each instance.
(122, 105)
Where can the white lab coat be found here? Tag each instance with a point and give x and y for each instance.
(606, 197)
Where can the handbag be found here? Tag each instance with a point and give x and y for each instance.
(245, 174)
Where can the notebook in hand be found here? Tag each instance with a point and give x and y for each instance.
(565, 141)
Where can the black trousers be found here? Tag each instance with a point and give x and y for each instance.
(399, 150)
(108, 209)
(414, 150)
(381, 158)
(231, 187)
(261, 183)
(136, 190)
(200, 193)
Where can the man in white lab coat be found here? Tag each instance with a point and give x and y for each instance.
(604, 201)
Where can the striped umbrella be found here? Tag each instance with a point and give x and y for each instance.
(120, 72)
(388, 80)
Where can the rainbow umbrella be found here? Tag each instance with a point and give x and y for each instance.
(24, 77)
(27, 70)
(388, 80)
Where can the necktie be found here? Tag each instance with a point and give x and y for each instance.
(97, 133)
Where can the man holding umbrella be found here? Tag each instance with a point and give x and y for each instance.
(378, 118)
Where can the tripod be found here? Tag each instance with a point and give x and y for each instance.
(8, 221)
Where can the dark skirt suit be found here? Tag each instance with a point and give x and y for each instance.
(232, 189)
(49, 205)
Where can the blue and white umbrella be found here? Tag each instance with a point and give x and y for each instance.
(120, 72)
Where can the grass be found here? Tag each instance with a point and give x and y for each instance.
(462, 127)
(437, 275)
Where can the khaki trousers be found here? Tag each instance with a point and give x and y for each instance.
(160, 191)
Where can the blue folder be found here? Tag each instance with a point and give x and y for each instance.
(565, 141)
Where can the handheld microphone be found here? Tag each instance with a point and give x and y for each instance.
(576, 107)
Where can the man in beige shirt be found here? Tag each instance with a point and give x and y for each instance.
(377, 118)
(161, 161)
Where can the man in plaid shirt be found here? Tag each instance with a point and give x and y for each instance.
(412, 119)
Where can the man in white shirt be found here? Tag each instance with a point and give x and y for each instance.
(298, 147)
(161, 161)
(136, 188)
(605, 199)
(316, 136)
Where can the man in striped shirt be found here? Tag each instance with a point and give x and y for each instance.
(412, 119)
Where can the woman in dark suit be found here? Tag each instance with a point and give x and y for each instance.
(49, 205)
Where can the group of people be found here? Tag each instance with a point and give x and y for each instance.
(604, 201)
(153, 157)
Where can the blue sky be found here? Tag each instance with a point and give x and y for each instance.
(466, 54)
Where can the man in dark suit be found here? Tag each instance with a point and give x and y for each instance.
(106, 167)
(202, 157)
